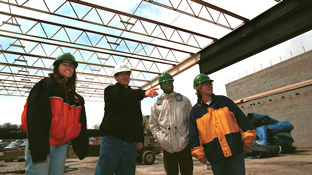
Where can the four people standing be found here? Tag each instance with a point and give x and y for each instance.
(214, 128)
(169, 123)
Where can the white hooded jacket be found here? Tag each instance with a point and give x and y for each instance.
(169, 121)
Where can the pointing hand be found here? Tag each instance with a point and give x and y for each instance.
(151, 92)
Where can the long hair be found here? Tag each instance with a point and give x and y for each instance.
(197, 88)
(71, 82)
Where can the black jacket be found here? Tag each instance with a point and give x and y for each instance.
(123, 116)
(52, 118)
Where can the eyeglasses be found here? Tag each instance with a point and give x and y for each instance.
(68, 64)
(167, 82)
(124, 74)
(206, 83)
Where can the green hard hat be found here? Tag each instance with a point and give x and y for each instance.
(65, 56)
(164, 77)
(201, 78)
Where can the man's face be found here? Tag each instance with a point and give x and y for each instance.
(206, 88)
(123, 78)
(167, 87)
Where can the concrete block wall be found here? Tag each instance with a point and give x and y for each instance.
(294, 105)
(291, 71)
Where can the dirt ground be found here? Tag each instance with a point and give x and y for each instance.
(299, 163)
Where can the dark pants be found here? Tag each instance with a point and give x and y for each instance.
(230, 165)
(182, 160)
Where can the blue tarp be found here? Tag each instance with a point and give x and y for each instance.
(270, 133)
(284, 126)
(262, 135)
(265, 131)
(260, 119)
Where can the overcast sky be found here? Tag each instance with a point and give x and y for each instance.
(12, 107)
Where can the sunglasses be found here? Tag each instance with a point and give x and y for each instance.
(167, 82)
(206, 83)
(68, 64)
(124, 74)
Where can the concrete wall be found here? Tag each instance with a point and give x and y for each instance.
(291, 71)
(293, 105)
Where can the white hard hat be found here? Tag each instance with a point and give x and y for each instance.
(121, 68)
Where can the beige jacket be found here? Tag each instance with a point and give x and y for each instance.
(169, 121)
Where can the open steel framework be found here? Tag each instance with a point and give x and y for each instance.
(34, 32)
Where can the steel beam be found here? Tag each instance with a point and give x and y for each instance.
(282, 22)
(92, 31)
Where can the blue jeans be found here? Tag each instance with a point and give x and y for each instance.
(54, 165)
(117, 157)
(229, 165)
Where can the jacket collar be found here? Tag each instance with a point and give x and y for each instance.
(212, 104)
(167, 96)
(119, 85)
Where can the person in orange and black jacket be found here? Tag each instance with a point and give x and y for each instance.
(219, 131)
(54, 115)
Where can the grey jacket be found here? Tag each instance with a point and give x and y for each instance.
(169, 121)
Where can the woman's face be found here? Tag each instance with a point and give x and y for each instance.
(66, 69)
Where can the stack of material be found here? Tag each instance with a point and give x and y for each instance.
(273, 136)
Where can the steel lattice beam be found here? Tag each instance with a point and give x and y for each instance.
(197, 13)
(99, 37)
